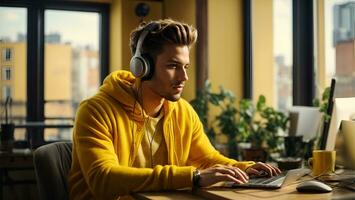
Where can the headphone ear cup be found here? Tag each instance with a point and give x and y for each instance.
(149, 66)
(138, 66)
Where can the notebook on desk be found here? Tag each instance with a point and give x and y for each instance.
(274, 182)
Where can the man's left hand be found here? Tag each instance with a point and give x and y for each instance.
(262, 169)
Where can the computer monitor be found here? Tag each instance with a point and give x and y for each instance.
(345, 145)
(343, 109)
(307, 122)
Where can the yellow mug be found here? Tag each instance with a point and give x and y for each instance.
(322, 162)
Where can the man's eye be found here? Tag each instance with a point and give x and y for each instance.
(173, 66)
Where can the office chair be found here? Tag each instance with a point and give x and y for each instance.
(52, 163)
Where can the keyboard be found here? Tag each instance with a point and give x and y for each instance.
(265, 180)
(273, 182)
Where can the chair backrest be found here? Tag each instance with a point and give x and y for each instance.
(52, 163)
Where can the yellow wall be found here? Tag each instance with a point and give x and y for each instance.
(225, 45)
(263, 68)
(115, 36)
(320, 47)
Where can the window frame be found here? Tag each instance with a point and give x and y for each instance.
(35, 51)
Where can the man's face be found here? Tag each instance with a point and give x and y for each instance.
(170, 72)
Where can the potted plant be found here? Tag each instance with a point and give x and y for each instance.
(260, 125)
(225, 120)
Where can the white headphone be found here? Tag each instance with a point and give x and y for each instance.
(142, 66)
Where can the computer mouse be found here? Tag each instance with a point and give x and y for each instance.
(313, 187)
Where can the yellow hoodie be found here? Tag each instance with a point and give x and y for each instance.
(108, 131)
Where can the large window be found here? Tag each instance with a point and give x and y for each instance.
(54, 66)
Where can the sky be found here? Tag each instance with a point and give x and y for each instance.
(282, 29)
(78, 28)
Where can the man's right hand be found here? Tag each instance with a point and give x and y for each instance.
(220, 173)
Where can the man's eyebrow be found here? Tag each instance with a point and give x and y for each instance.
(173, 60)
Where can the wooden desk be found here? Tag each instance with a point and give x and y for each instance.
(288, 192)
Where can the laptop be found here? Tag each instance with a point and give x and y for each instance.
(274, 182)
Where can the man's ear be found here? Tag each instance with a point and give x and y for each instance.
(151, 67)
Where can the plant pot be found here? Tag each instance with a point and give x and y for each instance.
(254, 154)
(7, 137)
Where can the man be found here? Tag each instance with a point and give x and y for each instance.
(137, 134)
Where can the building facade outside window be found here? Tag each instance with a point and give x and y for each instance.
(340, 45)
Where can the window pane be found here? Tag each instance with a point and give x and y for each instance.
(6, 73)
(282, 42)
(13, 46)
(71, 59)
(340, 45)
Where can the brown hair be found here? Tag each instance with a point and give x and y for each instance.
(167, 31)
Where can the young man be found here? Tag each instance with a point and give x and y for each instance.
(137, 134)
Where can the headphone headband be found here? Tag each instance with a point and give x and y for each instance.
(150, 27)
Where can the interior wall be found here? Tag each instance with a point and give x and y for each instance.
(115, 41)
(263, 63)
(225, 43)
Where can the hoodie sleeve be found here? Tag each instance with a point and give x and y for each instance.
(203, 154)
(99, 165)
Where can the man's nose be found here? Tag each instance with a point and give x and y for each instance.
(183, 75)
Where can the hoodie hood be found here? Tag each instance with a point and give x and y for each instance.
(119, 85)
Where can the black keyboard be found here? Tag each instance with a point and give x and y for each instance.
(265, 180)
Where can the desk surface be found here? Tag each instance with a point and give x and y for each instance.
(288, 192)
